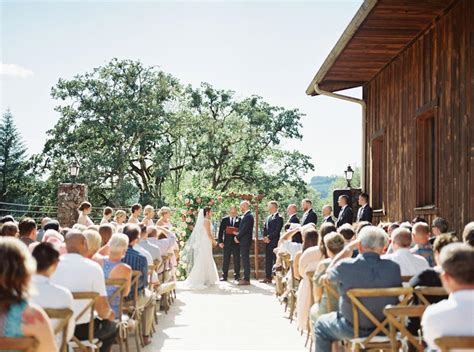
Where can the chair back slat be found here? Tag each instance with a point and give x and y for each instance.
(330, 292)
(92, 298)
(121, 284)
(406, 278)
(26, 344)
(396, 318)
(63, 315)
(448, 343)
(310, 275)
(422, 292)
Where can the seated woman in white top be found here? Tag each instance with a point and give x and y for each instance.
(84, 210)
(49, 295)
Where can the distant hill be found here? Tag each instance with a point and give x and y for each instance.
(322, 184)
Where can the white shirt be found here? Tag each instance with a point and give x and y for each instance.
(144, 252)
(165, 244)
(290, 247)
(79, 274)
(451, 317)
(410, 264)
(151, 248)
(49, 295)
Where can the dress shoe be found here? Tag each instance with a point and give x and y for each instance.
(223, 279)
(244, 283)
(266, 281)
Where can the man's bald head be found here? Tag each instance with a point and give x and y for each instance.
(401, 238)
(76, 242)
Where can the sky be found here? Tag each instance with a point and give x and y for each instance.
(268, 48)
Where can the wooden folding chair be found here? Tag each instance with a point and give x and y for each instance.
(424, 292)
(448, 343)
(396, 316)
(309, 336)
(292, 295)
(331, 292)
(373, 341)
(63, 315)
(134, 311)
(122, 337)
(285, 267)
(24, 344)
(91, 343)
(406, 278)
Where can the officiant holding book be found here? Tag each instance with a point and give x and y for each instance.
(227, 231)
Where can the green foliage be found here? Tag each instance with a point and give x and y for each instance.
(322, 184)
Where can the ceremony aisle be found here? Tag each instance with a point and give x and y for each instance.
(226, 318)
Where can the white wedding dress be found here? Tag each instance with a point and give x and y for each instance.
(197, 255)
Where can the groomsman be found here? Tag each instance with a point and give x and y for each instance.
(226, 241)
(327, 214)
(309, 215)
(244, 237)
(271, 235)
(293, 219)
(346, 215)
(365, 211)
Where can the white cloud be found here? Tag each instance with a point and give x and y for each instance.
(13, 70)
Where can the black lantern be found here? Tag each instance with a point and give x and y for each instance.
(74, 170)
(349, 174)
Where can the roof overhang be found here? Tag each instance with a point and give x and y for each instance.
(378, 33)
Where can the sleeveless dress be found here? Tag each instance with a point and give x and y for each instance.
(108, 266)
(11, 320)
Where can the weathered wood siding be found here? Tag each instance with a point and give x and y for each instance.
(437, 69)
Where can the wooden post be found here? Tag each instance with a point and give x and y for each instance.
(256, 237)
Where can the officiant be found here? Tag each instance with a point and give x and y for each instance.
(227, 231)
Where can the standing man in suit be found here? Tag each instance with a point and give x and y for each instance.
(271, 236)
(244, 237)
(327, 214)
(293, 219)
(309, 215)
(226, 242)
(365, 211)
(346, 215)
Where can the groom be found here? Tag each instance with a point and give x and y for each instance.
(244, 237)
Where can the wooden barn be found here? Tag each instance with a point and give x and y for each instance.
(414, 60)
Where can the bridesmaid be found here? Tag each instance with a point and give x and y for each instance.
(164, 219)
(149, 213)
(136, 211)
(84, 210)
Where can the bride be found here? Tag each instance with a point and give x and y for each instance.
(197, 254)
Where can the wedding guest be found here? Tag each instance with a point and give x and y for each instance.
(365, 211)
(9, 229)
(52, 225)
(19, 317)
(79, 227)
(49, 295)
(305, 246)
(334, 243)
(448, 317)
(94, 241)
(27, 230)
(345, 214)
(421, 238)
(56, 239)
(84, 210)
(120, 218)
(138, 262)
(309, 215)
(164, 218)
(149, 247)
(368, 270)
(392, 227)
(227, 243)
(439, 226)
(162, 238)
(310, 257)
(107, 215)
(325, 229)
(468, 234)
(293, 219)
(347, 232)
(287, 245)
(149, 214)
(136, 211)
(327, 214)
(142, 236)
(114, 269)
(74, 265)
(40, 232)
(410, 264)
(6, 218)
(105, 231)
(271, 236)
(417, 219)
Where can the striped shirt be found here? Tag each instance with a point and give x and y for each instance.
(137, 262)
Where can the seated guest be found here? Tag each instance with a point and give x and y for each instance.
(6, 218)
(438, 227)
(84, 210)
(27, 229)
(310, 257)
(418, 219)
(327, 214)
(18, 316)
(80, 274)
(286, 243)
(392, 227)
(49, 295)
(149, 214)
(468, 234)
(9, 229)
(368, 270)
(448, 317)
(139, 263)
(145, 243)
(421, 239)
(120, 218)
(79, 227)
(166, 240)
(334, 243)
(115, 269)
(406, 225)
(347, 232)
(135, 211)
(40, 233)
(410, 264)
(107, 215)
(296, 260)
(52, 225)
(93, 245)
(105, 231)
(140, 249)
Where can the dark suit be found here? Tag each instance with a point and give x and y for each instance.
(364, 214)
(294, 220)
(346, 216)
(230, 247)
(272, 230)
(245, 238)
(309, 217)
(329, 219)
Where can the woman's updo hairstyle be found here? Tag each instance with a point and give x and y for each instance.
(84, 206)
(207, 210)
